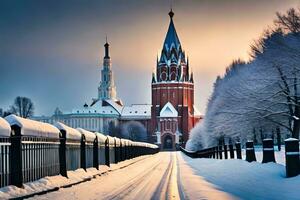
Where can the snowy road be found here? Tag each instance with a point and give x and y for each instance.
(162, 176)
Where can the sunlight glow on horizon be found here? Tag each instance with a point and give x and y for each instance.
(68, 46)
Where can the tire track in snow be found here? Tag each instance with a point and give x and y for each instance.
(162, 187)
(136, 185)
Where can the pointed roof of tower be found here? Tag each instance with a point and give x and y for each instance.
(106, 45)
(171, 37)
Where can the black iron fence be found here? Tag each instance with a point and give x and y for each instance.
(225, 151)
(25, 158)
(5, 161)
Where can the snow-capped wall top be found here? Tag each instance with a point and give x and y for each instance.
(101, 138)
(71, 133)
(4, 128)
(89, 136)
(168, 111)
(118, 141)
(111, 140)
(33, 128)
(291, 139)
(124, 142)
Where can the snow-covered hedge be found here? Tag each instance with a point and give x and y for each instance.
(71, 133)
(33, 128)
(89, 136)
(4, 128)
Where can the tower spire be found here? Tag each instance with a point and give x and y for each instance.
(106, 45)
(171, 13)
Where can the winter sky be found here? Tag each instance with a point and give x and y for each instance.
(51, 51)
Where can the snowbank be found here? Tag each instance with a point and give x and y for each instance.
(33, 128)
(279, 155)
(56, 182)
(246, 180)
(4, 128)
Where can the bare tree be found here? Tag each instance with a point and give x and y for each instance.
(22, 107)
(289, 22)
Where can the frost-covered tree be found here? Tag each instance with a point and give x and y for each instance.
(22, 107)
(134, 130)
(261, 95)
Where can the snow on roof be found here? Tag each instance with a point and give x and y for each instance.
(101, 138)
(116, 106)
(89, 136)
(168, 111)
(33, 128)
(104, 107)
(71, 133)
(4, 128)
(137, 111)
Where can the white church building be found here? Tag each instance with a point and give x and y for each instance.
(105, 111)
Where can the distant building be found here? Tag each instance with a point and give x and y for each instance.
(173, 113)
(167, 120)
(105, 112)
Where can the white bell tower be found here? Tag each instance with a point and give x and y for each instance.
(107, 88)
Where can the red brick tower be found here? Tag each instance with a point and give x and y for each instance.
(172, 114)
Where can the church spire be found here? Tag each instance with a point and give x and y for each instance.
(171, 37)
(106, 45)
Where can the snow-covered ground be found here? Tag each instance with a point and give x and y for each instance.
(55, 182)
(171, 175)
(279, 155)
(246, 180)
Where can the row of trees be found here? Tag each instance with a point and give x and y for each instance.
(260, 98)
(22, 107)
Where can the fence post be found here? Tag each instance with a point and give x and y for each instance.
(95, 154)
(238, 150)
(16, 177)
(268, 151)
(220, 151)
(121, 151)
(62, 153)
(107, 161)
(116, 151)
(213, 152)
(250, 153)
(292, 163)
(225, 151)
(82, 153)
(217, 152)
(231, 151)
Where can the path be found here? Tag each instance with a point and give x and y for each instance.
(161, 176)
